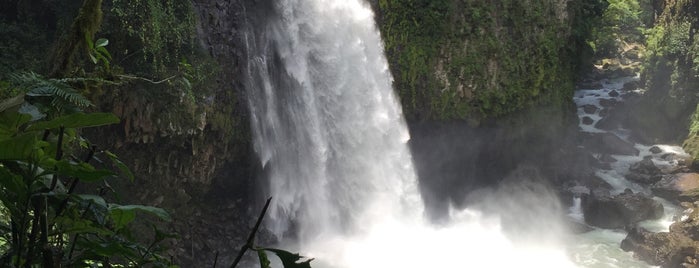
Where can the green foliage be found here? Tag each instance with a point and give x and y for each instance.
(59, 95)
(475, 59)
(19, 47)
(623, 21)
(170, 32)
(97, 51)
(289, 260)
(44, 221)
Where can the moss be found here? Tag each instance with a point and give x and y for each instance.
(691, 144)
(152, 36)
(477, 59)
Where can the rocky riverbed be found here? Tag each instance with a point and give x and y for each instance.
(642, 194)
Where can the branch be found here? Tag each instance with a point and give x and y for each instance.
(251, 237)
(146, 79)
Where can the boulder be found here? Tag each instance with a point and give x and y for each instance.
(613, 93)
(608, 143)
(631, 86)
(644, 172)
(616, 212)
(589, 108)
(632, 54)
(605, 158)
(577, 227)
(587, 120)
(608, 123)
(688, 223)
(655, 150)
(661, 249)
(680, 187)
(608, 102)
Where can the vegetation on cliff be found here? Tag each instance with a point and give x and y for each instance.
(668, 111)
(478, 59)
(143, 61)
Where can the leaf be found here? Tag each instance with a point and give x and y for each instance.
(82, 171)
(18, 148)
(104, 52)
(77, 120)
(10, 123)
(78, 225)
(109, 249)
(123, 215)
(290, 260)
(94, 60)
(122, 167)
(11, 102)
(101, 42)
(37, 86)
(264, 261)
(95, 199)
(12, 189)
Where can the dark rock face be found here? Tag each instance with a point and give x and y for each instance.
(587, 120)
(633, 85)
(663, 249)
(614, 93)
(644, 172)
(616, 212)
(680, 187)
(590, 109)
(608, 123)
(608, 143)
(608, 102)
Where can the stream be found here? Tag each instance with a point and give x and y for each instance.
(600, 247)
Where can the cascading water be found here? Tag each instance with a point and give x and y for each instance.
(333, 142)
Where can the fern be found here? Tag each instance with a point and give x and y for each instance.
(61, 92)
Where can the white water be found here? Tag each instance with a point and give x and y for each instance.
(333, 142)
(600, 248)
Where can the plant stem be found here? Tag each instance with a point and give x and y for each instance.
(32, 235)
(251, 237)
(59, 155)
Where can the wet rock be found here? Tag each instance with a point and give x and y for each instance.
(666, 249)
(608, 123)
(616, 212)
(608, 102)
(680, 187)
(688, 223)
(607, 158)
(590, 85)
(589, 108)
(578, 227)
(655, 150)
(586, 185)
(608, 143)
(604, 112)
(682, 160)
(644, 172)
(621, 72)
(630, 86)
(587, 120)
(613, 93)
(633, 54)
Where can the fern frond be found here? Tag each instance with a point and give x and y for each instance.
(62, 92)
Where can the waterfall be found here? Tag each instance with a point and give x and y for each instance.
(328, 126)
(332, 139)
